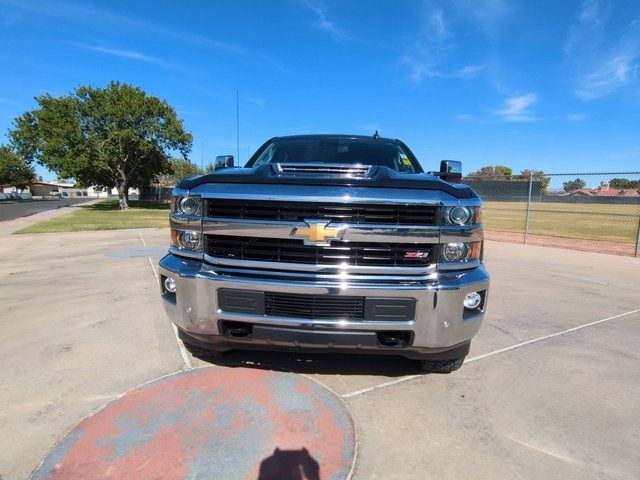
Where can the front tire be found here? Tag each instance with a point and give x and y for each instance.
(440, 366)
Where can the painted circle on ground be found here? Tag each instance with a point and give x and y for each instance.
(212, 423)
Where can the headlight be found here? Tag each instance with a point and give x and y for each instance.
(455, 252)
(189, 205)
(459, 215)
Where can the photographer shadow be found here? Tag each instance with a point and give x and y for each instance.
(289, 465)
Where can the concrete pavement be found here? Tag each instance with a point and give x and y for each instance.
(81, 326)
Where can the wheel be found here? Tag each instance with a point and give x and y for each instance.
(440, 366)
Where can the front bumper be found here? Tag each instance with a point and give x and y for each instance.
(440, 324)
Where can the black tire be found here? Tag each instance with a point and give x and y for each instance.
(440, 366)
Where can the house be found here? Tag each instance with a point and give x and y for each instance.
(605, 190)
(45, 189)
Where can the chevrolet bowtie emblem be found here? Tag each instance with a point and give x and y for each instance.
(317, 232)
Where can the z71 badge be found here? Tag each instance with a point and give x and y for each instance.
(416, 254)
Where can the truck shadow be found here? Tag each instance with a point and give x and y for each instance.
(323, 363)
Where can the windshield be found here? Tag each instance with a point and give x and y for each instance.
(337, 151)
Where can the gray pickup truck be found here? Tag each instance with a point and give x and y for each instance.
(328, 243)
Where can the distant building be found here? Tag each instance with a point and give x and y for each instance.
(605, 190)
(63, 190)
(47, 189)
(132, 191)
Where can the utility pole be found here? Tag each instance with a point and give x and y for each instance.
(238, 125)
(201, 156)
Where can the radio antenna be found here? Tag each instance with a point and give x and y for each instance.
(238, 125)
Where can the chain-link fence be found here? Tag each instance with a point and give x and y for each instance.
(585, 211)
(156, 193)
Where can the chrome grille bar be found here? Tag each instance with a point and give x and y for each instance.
(345, 213)
(336, 254)
(359, 171)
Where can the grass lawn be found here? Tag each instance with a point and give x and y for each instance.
(105, 216)
(592, 222)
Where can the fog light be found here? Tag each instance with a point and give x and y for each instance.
(189, 239)
(170, 285)
(472, 300)
(455, 252)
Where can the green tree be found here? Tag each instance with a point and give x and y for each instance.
(492, 172)
(14, 170)
(573, 185)
(116, 136)
(179, 168)
(624, 183)
(183, 168)
(538, 175)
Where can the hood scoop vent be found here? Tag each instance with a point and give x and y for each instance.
(324, 169)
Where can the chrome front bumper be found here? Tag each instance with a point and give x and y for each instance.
(441, 321)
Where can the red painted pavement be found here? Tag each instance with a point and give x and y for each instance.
(212, 423)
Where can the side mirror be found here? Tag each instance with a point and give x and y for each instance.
(451, 171)
(223, 161)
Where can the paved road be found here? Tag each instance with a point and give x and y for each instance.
(550, 390)
(16, 209)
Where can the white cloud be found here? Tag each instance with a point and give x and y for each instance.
(421, 71)
(618, 71)
(486, 15)
(435, 27)
(576, 117)
(603, 63)
(322, 21)
(516, 109)
(95, 18)
(589, 29)
(126, 54)
(426, 54)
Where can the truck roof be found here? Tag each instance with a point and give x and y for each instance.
(334, 136)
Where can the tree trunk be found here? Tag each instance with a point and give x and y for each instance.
(123, 195)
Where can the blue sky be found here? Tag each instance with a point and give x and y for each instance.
(539, 84)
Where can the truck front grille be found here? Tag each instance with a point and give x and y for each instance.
(338, 253)
(355, 214)
(315, 307)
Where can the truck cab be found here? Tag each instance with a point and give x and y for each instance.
(328, 243)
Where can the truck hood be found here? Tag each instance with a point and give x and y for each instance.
(379, 177)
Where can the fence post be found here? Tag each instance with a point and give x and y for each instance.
(637, 238)
(526, 222)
